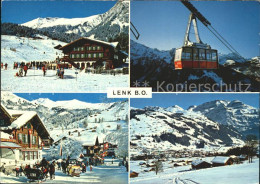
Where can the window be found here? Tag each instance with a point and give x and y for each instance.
(87, 48)
(195, 54)
(21, 155)
(94, 55)
(90, 48)
(2, 122)
(20, 138)
(89, 56)
(26, 155)
(82, 48)
(77, 56)
(31, 155)
(82, 55)
(98, 48)
(202, 54)
(186, 53)
(94, 48)
(34, 140)
(214, 55)
(35, 156)
(208, 55)
(100, 55)
(26, 139)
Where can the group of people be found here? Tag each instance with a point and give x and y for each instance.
(22, 71)
(2, 65)
(60, 72)
(47, 167)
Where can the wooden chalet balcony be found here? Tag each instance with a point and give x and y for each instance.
(8, 140)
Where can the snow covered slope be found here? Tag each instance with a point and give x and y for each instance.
(158, 128)
(18, 49)
(243, 117)
(84, 122)
(102, 26)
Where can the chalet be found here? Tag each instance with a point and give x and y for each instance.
(91, 148)
(109, 148)
(23, 135)
(90, 53)
(200, 164)
(222, 161)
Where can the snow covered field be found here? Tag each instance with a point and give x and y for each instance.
(99, 174)
(20, 49)
(238, 174)
(83, 82)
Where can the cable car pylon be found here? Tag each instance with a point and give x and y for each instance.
(199, 55)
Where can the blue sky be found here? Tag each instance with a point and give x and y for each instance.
(85, 97)
(24, 11)
(162, 24)
(187, 100)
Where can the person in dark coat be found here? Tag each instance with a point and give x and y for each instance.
(44, 162)
(52, 170)
(126, 165)
(6, 66)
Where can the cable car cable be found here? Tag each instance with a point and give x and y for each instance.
(228, 43)
(233, 51)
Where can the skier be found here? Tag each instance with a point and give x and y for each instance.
(2, 65)
(16, 65)
(25, 68)
(6, 66)
(44, 70)
(90, 167)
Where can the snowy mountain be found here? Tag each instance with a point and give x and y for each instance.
(71, 104)
(103, 26)
(243, 117)
(156, 66)
(174, 128)
(143, 53)
(18, 49)
(78, 124)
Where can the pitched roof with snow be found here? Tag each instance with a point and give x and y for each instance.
(22, 118)
(220, 160)
(4, 135)
(112, 44)
(198, 161)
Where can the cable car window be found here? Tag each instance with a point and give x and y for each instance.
(202, 54)
(186, 53)
(208, 55)
(195, 54)
(214, 55)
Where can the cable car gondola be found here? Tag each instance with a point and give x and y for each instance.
(195, 55)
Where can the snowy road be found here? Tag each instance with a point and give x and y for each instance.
(100, 174)
(82, 82)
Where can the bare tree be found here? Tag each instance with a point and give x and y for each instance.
(158, 167)
(252, 144)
